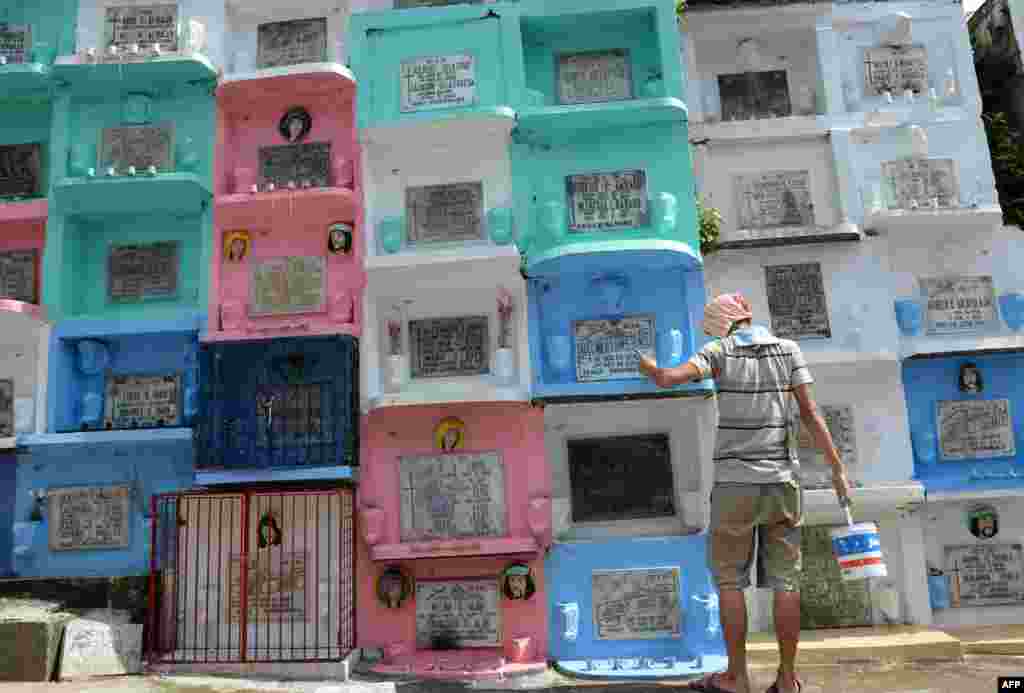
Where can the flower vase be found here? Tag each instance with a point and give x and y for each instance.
(390, 234)
(909, 316)
(1011, 305)
(504, 364)
(397, 365)
(559, 354)
(499, 225)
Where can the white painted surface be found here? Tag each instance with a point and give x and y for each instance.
(245, 16)
(24, 350)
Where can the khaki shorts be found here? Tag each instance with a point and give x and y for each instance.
(775, 511)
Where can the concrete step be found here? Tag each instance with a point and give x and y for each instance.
(990, 640)
(839, 645)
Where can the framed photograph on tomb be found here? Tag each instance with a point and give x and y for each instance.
(142, 24)
(773, 199)
(287, 286)
(142, 401)
(19, 271)
(636, 604)
(448, 213)
(607, 201)
(90, 517)
(975, 429)
(141, 272)
(594, 77)
(895, 69)
(990, 574)
(797, 301)
(450, 347)
(306, 164)
(20, 170)
(140, 146)
(458, 614)
(752, 95)
(958, 304)
(291, 42)
(437, 81)
(815, 472)
(15, 42)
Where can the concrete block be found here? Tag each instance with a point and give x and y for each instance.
(96, 648)
(28, 649)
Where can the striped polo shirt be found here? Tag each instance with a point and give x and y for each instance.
(755, 373)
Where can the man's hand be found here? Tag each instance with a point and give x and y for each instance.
(649, 367)
(840, 482)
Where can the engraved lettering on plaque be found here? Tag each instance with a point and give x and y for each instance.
(6, 408)
(444, 347)
(140, 146)
(751, 95)
(287, 285)
(636, 604)
(594, 77)
(142, 401)
(605, 201)
(19, 170)
(973, 429)
(815, 472)
(296, 163)
(895, 69)
(142, 24)
(797, 301)
(291, 42)
(445, 213)
(958, 304)
(456, 614)
(605, 348)
(620, 478)
(18, 275)
(989, 573)
(441, 81)
(89, 518)
(144, 271)
(276, 587)
(15, 42)
(452, 496)
(774, 198)
(922, 180)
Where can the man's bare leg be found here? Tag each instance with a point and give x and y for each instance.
(733, 615)
(787, 632)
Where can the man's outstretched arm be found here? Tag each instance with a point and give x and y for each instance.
(669, 377)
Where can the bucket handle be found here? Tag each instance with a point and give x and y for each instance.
(845, 503)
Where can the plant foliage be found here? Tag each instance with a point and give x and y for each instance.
(1007, 150)
(709, 221)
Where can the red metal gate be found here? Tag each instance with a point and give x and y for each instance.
(294, 602)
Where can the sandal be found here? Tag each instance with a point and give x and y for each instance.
(775, 687)
(708, 685)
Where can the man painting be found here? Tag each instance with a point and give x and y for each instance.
(757, 485)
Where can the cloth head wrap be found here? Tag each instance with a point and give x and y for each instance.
(723, 311)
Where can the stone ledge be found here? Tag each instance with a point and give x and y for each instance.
(833, 646)
(990, 640)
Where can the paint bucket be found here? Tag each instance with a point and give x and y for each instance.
(858, 548)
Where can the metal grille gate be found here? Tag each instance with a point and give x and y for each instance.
(296, 600)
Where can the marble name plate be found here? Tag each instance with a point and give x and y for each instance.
(916, 182)
(773, 199)
(445, 347)
(143, 25)
(18, 275)
(594, 77)
(452, 496)
(140, 146)
(445, 213)
(989, 573)
(815, 472)
(308, 162)
(276, 589)
(440, 81)
(750, 95)
(636, 604)
(605, 201)
(605, 348)
(19, 170)
(797, 301)
(971, 429)
(958, 304)
(86, 518)
(6, 408)
(140, 272)
(142, 401)
(287, 285)
(895, 69)
(456, 614)
(96, 648)
(291, 42)
(15, 42)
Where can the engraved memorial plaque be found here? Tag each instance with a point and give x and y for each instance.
(815, 472)
(15, 42)
(972, 429)
(441, 81)
(19, 170)
(750, 95)
(276, 587)
(636, 604)
(922, 180)
(142, 401)
(18, 275)
(958, 304)
(6, 408)
(142, 24)
(287, 285)
(281, 164)
(989, 573)
(773, 199)
(444, 347)
(604, 348)
(452, 495)
(456, 614)
(797, 301)
(895, 69)
(144, 271)
(603, 201)
(445, 213)
(95, 517)
(140, 146)
(594, 77)
(621, 478)
(292, 42)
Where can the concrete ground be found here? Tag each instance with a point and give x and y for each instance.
(971, 674)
